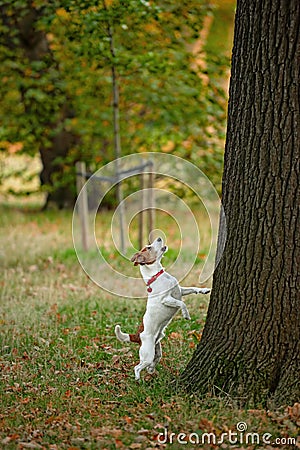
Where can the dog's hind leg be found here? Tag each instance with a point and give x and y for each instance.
(147, 354)
(157, 358)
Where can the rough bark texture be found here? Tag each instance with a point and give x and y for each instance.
(250, 346)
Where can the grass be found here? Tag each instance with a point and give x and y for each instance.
(66, 382)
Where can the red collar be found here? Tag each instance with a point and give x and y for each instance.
(152, 279)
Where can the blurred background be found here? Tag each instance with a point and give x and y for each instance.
(67, 66)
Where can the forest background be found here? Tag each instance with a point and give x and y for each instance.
(171, 61)
(66, 383)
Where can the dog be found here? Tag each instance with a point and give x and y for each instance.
(164, 301)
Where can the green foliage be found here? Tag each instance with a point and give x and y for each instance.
(165, 104)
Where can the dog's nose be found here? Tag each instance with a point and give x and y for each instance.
(159, 239)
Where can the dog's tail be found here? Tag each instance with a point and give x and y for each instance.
(123, 337)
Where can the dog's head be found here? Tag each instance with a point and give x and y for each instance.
(150, 254)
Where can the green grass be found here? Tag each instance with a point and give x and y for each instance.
(66, 382)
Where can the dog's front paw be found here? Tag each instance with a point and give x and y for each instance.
(203, 291)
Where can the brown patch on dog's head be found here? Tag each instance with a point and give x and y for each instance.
(144, 256)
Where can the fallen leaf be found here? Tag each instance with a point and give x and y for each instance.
(115, 433)
(115, 359)
(8, 439)
(293, 413)
(196, 334)
(143, 431)
(175, 336)
(206, 425)
(135, 445)
(148, 400)
(140, 438)
(29, 445)
(67, 394)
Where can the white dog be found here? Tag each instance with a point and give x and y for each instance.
(164, 300)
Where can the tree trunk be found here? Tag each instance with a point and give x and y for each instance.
(64, 195)
(34, 45)
(250, 344)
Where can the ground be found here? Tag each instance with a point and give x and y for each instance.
(67, 383)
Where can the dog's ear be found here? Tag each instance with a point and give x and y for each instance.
(138, 258)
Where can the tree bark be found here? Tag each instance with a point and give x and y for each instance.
(250, 344)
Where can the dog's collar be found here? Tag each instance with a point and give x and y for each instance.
(152, 279)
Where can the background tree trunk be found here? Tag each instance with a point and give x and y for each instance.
(34, 44)
(250, 344)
